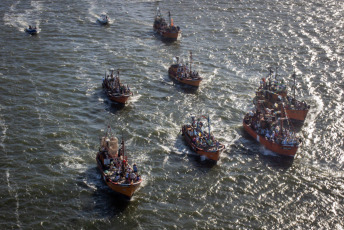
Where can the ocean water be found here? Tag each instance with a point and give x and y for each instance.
(53, 111)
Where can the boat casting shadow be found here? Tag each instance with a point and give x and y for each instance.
(200, 162)
(297, 125)
(188, 89)
(272, 160)
(105, 201)
(114, 107)
(111, 106)
(167, 41)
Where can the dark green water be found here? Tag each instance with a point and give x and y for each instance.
(53, 110)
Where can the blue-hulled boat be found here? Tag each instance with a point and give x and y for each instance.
(31, 30)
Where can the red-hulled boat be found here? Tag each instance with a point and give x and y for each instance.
(271, 130)
(169, 32)
(274, 91)
(200, 141)
(114, 168)
(183, 74)
(114, 89)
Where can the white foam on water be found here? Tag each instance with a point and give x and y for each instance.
(167, 149)
(4, 129)
(134, 98)
(267, 152)
(90, 185)
(93, 12)
(12, 191)
(165, 160)
(72, 159)
(22, 20)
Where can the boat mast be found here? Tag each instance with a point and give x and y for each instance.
(294, 76)
(190, 61)
(270, 72)
(276, 73)
(208, 126)
(158, 11)
(123, 147)
(169, 15)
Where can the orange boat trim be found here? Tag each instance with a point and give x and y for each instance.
(274, 147)
(213, 155)
(124, 189)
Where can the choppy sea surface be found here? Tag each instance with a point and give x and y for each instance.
(53, 111)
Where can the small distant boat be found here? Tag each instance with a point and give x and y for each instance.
(182, 73)
(114, 168)
(114, 89)
(103, 19)
(200, 141)
(31, 30)
(271, 130)
(275, 92)
(166, 31)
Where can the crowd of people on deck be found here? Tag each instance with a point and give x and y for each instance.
(184, 72)
(199, 136)
(295, 104)
(117, 168)
(114, 84)
(266, 89)
(32, 28)
(268, 124)
(273, 85)
(161, 25)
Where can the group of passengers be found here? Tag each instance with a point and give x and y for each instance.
(116, 165)
(295, 104)
(161, 25)
(266, 123)
(114, 84)
(121, 172)
(273, 85)
(291, 102)
(32, 28)
(118, 170)
(200, 137)
(184, 72)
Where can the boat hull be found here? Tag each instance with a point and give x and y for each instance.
(294, 114)
(124, 189)
(31, 31)
(212, 155)
(119, 99)
(102, 22)
(172, 73)
(274, 147)
(168, 35)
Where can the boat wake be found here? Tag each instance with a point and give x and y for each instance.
(13, 192)
(75, 162)
(30, 14)
(267, 152)
(3, 128)
(134, 98)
